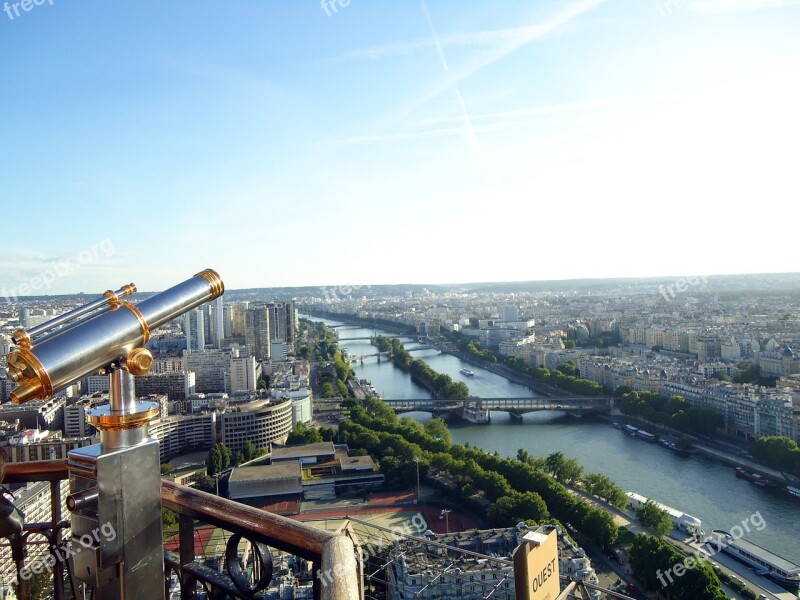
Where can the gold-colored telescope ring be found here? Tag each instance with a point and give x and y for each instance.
(212, 277)
(139, 317)
(22, 338)
(110, 422)
(113, 299)
(42, 375)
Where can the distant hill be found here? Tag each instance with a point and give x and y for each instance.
(773, 283)
(753, 284)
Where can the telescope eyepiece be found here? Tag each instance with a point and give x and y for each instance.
(139, 362)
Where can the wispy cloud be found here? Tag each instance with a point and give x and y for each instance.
(503, 39)
(501, 121)
(512, 41)
(469, 131)
(720, 6)
(491, 38)
(567, 107)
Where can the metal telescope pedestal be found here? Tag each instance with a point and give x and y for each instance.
(116, 499)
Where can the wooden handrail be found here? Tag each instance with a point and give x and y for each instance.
(333, 553)
(255, 524)
(37, 470)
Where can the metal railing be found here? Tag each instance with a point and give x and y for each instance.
(329, 552)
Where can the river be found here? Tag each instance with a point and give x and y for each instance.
(698, 486)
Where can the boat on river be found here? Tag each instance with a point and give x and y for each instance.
(680, 520)
(755, 478)
(777, 568)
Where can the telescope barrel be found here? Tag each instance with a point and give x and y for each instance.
(108, 302)
(96, 342)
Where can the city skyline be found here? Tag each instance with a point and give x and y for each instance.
(345, 143)
(667, 286)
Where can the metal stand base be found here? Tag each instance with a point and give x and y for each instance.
(116, 502)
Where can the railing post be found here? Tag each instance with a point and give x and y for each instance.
(339, 569)
(55, 512)
(186, 538)
(18, 556)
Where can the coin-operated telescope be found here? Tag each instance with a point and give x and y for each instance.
(115, 485)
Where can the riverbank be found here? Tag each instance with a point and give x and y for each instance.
(701, 448)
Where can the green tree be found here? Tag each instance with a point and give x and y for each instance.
(569, 369)
(303, 434)
(226, 455)
(166, 469)
(206, 484)
(652, 559)
(437, 429)
(214, 460)
(603, 487)
(169, 520)
(562, 468)
(39, 586)
(250, 451)
(780, 452)
(657, 519)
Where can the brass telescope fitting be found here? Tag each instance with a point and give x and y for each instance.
(104, 334)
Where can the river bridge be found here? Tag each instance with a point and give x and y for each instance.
(515, 406)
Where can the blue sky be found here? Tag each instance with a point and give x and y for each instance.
(283, 143)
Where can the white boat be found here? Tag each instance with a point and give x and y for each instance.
(793, 491)
(680, 520)
(646, 436)
(778, 568)
(631, 429)
(467, 372)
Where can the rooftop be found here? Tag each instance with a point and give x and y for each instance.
(281, 470)
(301, 451)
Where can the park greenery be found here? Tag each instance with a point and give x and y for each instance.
(673, 412)
(334, 376)
(779, 452)
(303, 434)
(512, 490)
